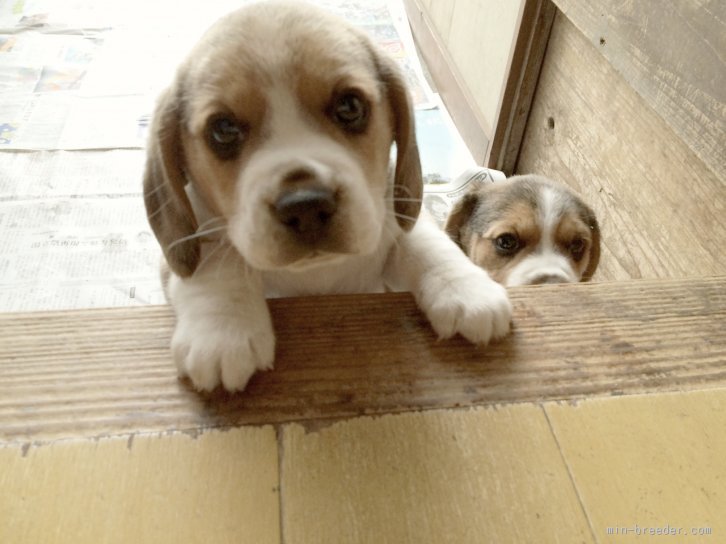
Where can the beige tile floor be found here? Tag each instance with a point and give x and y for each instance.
(552, 472)
(215, 487)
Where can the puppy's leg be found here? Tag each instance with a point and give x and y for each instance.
(223, 330)
(456, 295)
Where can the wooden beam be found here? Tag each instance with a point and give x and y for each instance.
(528, 55)
(108, 371)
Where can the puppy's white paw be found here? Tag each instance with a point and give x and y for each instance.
(211, 351)
(467, 302)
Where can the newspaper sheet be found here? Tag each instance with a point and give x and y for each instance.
(74, 232)
(57, 78)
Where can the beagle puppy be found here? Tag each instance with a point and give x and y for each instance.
(268, 174)
(527, 230)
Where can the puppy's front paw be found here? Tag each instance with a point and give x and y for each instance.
(210, 351)
(466, 302)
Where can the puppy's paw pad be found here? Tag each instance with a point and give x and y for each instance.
(226, 355)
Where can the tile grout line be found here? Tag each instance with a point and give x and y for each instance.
(569, 473)
(279, 431)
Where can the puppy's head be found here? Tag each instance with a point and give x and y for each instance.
(527, 230)
(282, 119)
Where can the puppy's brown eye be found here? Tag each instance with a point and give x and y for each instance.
(577, 248)
(507, 244)
(350, 111)
(225, 136)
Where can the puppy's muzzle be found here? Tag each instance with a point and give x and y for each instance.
(307, 212)
(544, 279)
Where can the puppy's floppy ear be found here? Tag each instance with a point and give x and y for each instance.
(408, 183)
(459, 217)
(592, 223)
(167, 205)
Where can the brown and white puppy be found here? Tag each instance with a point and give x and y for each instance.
(268, 175)
(527, 230)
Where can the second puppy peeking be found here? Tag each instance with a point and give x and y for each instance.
(527, 230)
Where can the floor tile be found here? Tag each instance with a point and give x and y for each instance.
(482, 475)
(219, 486)
(648, 462)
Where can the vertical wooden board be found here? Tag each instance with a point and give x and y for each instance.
(661, 209)
(672, 54)
(481, 43)
(484, 475)
(440, 14)
(528, 55)
(651, 461)
(216, 487)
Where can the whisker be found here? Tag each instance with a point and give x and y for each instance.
(403, 188)
(398, 199)
(154, 190)
(391, 233)
(195, 235)
(224, 258)
(219, 244)
(161, 207)
(236, 267)
(404, 216)
(212, 220)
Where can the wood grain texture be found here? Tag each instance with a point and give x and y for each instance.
(673, 54)
(212, 487)
(443, 476)
(660, 207)
(101, 372)
(529, 52)
(650, 461)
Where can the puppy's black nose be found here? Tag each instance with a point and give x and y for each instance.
(547, 278)
(306, 211)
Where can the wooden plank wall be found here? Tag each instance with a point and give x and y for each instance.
(529, 51)
(660, 204)
(673, 54)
